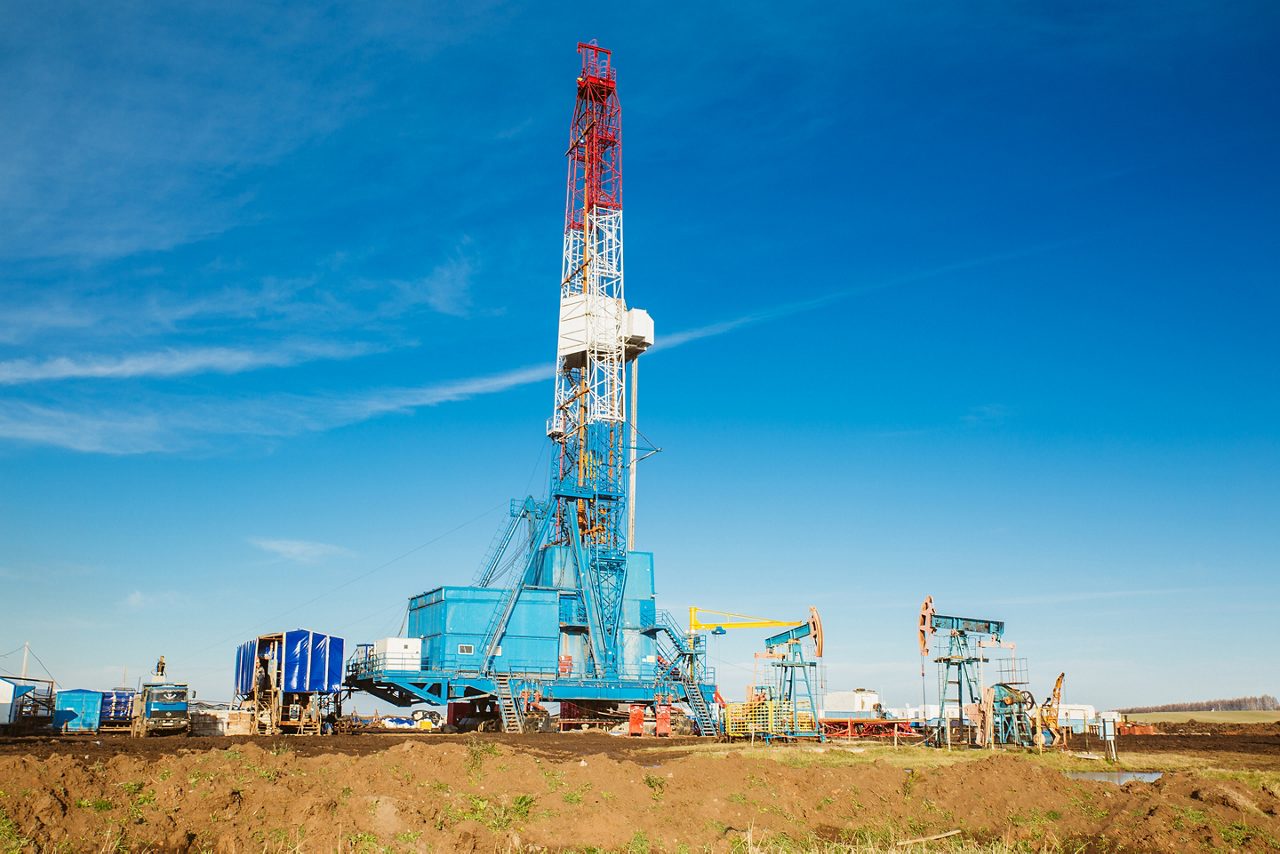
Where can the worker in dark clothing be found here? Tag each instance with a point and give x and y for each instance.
(263, 681)
(160, 666)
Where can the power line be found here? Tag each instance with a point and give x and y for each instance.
(52, 678)
(363, 575)
(7, 654)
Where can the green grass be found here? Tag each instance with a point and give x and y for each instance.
(11, 841)
(477, 752)
(1206, 717)
(923, 758)
(657, 785)
(364, 843)
(867, 841)
(95, 804)
(495, 816)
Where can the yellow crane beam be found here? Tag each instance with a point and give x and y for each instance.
(735, 621)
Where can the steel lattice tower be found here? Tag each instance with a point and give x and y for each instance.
(597, 336)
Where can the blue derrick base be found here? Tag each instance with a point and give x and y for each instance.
(544, 647)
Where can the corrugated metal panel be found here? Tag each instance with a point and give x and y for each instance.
(246, 658)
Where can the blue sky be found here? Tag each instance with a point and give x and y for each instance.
(974, 304)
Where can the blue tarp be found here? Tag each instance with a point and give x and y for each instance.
(246, 653)
(308, 662)
(117, 707)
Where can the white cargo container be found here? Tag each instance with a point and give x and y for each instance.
(860, 702)
(399, 653)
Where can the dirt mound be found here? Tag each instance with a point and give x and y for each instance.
(1195, 727)
(486, 795)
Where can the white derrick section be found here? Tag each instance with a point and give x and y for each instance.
(606, 318)
(592, 342)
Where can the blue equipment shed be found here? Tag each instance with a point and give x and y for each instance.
(290, 680)
(306, 661)
(78, 710)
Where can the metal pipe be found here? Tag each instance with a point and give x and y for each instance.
(631, 465)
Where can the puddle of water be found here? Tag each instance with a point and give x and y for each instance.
(1117, 777)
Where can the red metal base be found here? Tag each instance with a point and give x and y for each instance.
(867, 728)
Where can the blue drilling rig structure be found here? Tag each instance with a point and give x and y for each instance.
(563, 610)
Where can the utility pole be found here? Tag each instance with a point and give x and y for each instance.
(26, 653)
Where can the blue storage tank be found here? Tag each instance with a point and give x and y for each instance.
(78, 710)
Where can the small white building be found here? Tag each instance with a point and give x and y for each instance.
(1077, 716)
(10, 692)
(858, 703)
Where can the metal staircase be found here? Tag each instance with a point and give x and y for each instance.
(698, 704)
(512, 720)
(667, 623)
(498, 625)
(682, 660)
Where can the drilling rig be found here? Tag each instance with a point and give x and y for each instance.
(563, 609)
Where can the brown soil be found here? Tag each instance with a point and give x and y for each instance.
(1194, 727)
(501, 793)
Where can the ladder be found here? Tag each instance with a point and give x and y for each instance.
(512, 720)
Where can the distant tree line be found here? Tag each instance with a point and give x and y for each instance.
(1263, 703)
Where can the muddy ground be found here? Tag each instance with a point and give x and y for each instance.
(585, 791)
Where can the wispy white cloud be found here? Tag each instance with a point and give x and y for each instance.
(140, 601)
(183, 424)
(173, 362)
(99, 431)
(300, 551)
(179, 424)
(332, 297)
(446, 289)
(777, 312)
(987, 413)
(133, 140)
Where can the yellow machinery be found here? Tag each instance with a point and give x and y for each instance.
(785, 708)
(1049, 715)
(735, 621)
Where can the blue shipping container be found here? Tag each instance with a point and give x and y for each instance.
(78, 710)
